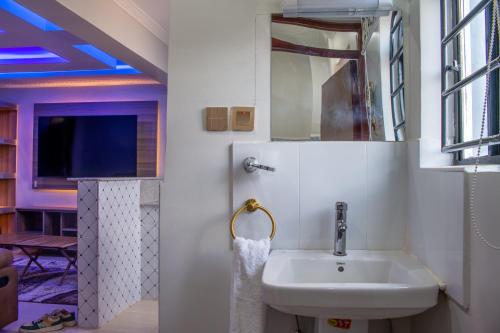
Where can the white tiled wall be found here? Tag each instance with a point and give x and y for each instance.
(277, 191)
(150, 216)
(310, 177)
(387, 188)
(436, 225)
(119, 247)
(109, 249)
(88, 212)
(331, 172)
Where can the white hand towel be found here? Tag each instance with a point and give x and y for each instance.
(248, 312)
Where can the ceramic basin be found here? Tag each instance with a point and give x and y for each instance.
(361, 285)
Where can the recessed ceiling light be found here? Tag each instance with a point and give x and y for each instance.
(27, 15)
(39, 55)
(28, 55)
(70, 73)
(96, 53)
(103, 57)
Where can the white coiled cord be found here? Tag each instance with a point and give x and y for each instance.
(495, 28)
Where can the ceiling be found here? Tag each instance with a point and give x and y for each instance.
(32, 47)
(152, 14)
(157, 9)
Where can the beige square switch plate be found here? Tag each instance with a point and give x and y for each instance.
(242, 118)
(217, 118)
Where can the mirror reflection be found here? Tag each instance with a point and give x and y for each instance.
(337, 80)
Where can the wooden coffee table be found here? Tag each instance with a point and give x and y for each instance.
(32, 246)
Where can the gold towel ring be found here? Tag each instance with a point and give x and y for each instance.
(251, 205)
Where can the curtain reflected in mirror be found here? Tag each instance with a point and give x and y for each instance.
(337, 80)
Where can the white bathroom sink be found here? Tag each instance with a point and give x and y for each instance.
(361, 285)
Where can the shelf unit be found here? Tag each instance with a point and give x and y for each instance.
(8, 164)
(58, 221)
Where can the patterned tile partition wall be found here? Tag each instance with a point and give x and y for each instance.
(149, 250)
(119, 247)
(88, 212)
(109, 270)
(150, 217)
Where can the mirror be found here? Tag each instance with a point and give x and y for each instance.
(337, 80)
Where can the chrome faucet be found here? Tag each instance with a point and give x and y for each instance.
(251, 164)
(340, 229)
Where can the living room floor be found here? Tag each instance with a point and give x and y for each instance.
(141, 317)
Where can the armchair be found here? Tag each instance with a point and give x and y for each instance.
(8, 289)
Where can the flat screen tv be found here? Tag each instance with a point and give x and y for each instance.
(87, 146)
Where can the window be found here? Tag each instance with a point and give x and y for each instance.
(467, 29)
(397, 77)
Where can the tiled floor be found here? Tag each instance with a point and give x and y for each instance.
(141, 317)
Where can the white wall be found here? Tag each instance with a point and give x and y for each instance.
(320, 73)
(378, 73)
(292, 96)
(483, 271)
(423, 79)
(216, 57)
(26, 196)
(439, 230)
(219, 55)
(436, 223)
(310, 178)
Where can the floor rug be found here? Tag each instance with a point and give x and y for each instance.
(43, 287)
